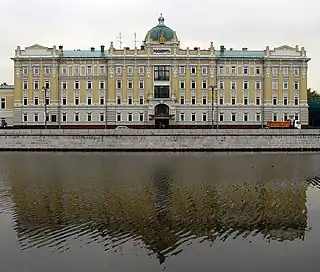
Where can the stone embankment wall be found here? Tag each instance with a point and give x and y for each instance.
(160, 140)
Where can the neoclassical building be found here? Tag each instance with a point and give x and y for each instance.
(158, 85)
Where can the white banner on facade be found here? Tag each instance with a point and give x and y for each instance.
(161, 51)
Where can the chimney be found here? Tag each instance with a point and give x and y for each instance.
(222, 49)
(92, 49)
(245, 49)
(60, 47)
(102, 48)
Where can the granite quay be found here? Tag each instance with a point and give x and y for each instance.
(160, 140)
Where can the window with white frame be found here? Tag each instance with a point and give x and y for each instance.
(3, 103)
(204, 100)
(221, 84)
(245, 100)
(193, 69)
(274, 84)
(76, 84)
(182, 84)
(119, 117)
(285, 100)
(204, 117)
(130, 117)
(296, 71)
(76, 117)
(102, 116)
(47, 84)
(193, 100)
(221, 70)
(64, 70)
(36, 117)
(233, 117)
(25, 100)
(118, 70)
(296, 116)
(193, 117)
(76, 70)
(36, 84)
(141, 100)
(285, 116)
(118, 100)
(233, 100)
(130, 84)
(182, 69)
(130, 70)
(25, 117)
(274, 100)
(258, 100)
(36, 100)
(285, 71)
(36, 70)
(221, 100)
(233, 85)
(204, 84)
(141, 84)
(89, 70)
(102, 69)
(258, 117)
(258, 85)
(64, 117)
(181, 116)
(204, 70)
(221, 117)
(296, 85)
(119, 84)
(246, 70)
(141, 70)
(101, 100)
(275, 117)
(274, 71)
(296, 100)
(285, 85)
(233, 70)
(245, 85)
(64, 85)
(102, 85)
(76, 100)
(25, 70)
(258, 70)
(25, 85)
(182, 100)
(89, 84)
(47, 70)
(89, 99)
(141, 117)
(89, 117)
(129, 100)
(245, 117)
(193, 84)
(64, 101)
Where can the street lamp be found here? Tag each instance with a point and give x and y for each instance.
(45, 89)
(212, 106)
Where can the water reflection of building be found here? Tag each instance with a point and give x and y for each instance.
(162, 215)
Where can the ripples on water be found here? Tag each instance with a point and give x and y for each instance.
(160, 203)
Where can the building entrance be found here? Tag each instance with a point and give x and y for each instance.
(162, 116)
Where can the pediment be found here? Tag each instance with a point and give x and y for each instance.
(36, 50)
(285, 50)
(36, 47)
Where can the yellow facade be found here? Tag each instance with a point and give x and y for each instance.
(118, 86)
(6, 104)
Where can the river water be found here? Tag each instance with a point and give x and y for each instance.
(159, 212)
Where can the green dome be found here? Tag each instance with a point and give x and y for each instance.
(161, 30)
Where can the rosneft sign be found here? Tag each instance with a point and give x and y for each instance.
(161, 51)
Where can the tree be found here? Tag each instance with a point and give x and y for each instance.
(312, 94)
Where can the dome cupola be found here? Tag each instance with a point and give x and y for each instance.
(161, 32)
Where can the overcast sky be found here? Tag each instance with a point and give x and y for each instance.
(233, 23)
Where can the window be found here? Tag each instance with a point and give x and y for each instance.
(182, 69)
(258, 85)
(296, 71)
(182, 100)
(118, 117)
(36, 85)
(296, 116)
(89, 69)
(141, 100)
(101, 100)
(285, 116)
(245, 85)
(204, 117)
(221, 117)
(233, 85)
(221, 100)
(3, 103)
(36, 70)
(129, 100)
(64, 85)
(285, 71)
(118, 100)
(89, 100)
(182, 84)
(130, 117)
(64, 70)
(101, 117)
(36, 100)
(193, 84)
(161, 92)
(296, 101)
(245, 100)
(64, 101)
(119, 84)
(193, 100)
(47, 100)
(274, 84)
(181, 116)
(233, 100)
(275, 117)
(89, 117)
(25, 117)
(118, 70)
(76, 70)
(162, 73)
(221, 84)
(204, 70)
(141, 70)
(130, 70)
(130, 83)
(141, 118)
(221, 70)
(285, 100)
(274, 100)
(246, 70)
(36, 117)
(204, 100)
(47, 84)
(47, 70)
(25, 85)
(258, 117)
(274, 71)
(233, 70)
(258, 70)
(245, 117)
(76, 117)
(296, 84)
(64, 117)
(141, 84)
(76, 100)
(102, 85)
(285, 85)
(204, 84)
(89, 84)
(193, 117)
(233, 117)
(258, 100)
(25, 101)
(25, 70)
(77, 84)
(193, 70)
(53, 118)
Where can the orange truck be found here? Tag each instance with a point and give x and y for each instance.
(284, 124)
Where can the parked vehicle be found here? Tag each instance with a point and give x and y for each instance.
(284, 124)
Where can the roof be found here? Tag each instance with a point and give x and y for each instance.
(83, 54)
(5, 86)
(241, 54)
